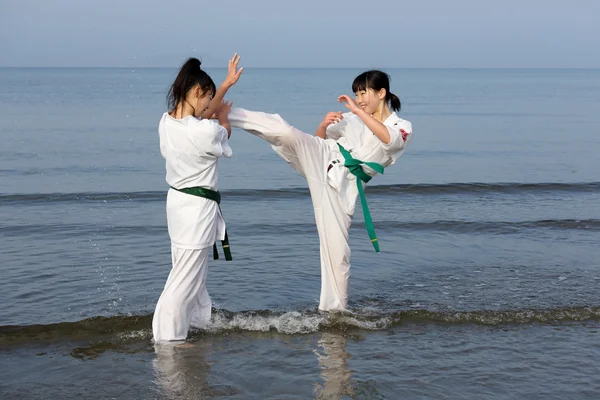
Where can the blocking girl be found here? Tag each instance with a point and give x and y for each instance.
(191, 145)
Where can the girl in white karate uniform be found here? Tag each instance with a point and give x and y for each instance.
(344, 153)
(191, 145)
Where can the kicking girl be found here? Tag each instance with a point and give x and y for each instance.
(346, 151)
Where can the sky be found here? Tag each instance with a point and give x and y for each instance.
(306, 33)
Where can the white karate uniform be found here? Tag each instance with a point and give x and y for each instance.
(333, 193)
(191, 148)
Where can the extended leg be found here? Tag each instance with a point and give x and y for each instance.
(304, 152)
(310, 156)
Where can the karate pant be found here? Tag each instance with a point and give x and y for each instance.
(310, 156)
(184, 300)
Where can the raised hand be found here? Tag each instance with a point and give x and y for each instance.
(223, 115)
(223, 110)
(349, 103)
(331, 118)
(233, 74)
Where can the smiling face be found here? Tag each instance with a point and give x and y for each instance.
(369, 100)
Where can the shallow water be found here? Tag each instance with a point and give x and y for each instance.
(486, 286)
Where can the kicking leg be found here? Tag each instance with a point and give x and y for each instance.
(301, 150)
(310, 156)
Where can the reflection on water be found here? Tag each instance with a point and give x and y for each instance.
(182, 370)
(335, 373)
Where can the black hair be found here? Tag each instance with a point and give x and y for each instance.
(189, 76)
(376, 80)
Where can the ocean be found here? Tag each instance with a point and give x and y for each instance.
(486, 286)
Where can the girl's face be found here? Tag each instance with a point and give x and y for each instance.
(369, 100)
(202, 102)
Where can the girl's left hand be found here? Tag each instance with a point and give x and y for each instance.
(350, 103)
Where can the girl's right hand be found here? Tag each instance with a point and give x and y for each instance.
(233, 74)
(224, 107)
(223, 115)
(332, 118)
(223, 110)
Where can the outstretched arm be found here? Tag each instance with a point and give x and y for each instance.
(233, 74)
(378, 128)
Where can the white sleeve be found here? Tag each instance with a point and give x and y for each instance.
(212, 139)
(400, 134)
(336, 131)
(224, 142)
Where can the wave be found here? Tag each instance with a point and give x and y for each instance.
(412, 189)
(451, 226)
(475, 187)
(498, 227)
(127, 328)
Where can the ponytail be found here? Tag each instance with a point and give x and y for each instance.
(394, 101)
(189, 76)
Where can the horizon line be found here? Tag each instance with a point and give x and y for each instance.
(254, 67)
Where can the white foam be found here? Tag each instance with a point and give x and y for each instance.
(381, 323)
(289, 323)
(140, 334)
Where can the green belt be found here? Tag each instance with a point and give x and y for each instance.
(215, 196)
(355, 168)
